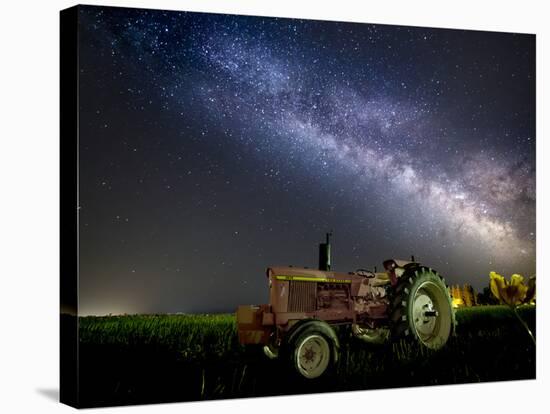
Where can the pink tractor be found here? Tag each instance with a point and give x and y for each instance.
(297, 325)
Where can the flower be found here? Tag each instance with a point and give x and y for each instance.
(510, 293)
(514, 293)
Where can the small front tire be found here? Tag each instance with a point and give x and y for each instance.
(312, 355)
(312, 349)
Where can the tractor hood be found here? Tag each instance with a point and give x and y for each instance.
(305, 274)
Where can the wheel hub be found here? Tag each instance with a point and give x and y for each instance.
(313, 356)
(309, 354)
(424, 314)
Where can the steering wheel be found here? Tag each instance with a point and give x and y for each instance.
(365, 273)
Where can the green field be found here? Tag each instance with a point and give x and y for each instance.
(153, 358)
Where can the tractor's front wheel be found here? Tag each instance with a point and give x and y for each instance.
(312, 349)
(312, 355)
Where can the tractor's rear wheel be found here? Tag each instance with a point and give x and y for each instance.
(422, 308)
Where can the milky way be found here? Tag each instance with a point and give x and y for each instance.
(401, 140)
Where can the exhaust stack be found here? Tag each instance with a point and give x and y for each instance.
(324, 254)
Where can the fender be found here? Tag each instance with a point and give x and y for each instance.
(395, 268)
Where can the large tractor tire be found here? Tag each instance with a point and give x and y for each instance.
(422, 308)
(311, 348)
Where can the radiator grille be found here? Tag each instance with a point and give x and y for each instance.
(302, 296)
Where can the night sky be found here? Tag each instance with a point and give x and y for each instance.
(213, 146)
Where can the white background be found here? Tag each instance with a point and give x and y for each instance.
(29, 206)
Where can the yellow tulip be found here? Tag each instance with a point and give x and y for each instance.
(498, 284)
(510, 293)
(513, 293)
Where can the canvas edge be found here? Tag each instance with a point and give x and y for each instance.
(68, 127)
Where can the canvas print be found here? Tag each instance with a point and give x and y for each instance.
(258, 206)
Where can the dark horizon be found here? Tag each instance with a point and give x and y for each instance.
(213, 146)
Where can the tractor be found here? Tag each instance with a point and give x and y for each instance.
(306, 305)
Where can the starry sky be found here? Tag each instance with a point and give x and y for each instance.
(213, 146)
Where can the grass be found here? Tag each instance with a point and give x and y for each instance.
(195, 336)
(153, 358)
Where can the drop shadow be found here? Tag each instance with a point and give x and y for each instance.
(50, 393)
